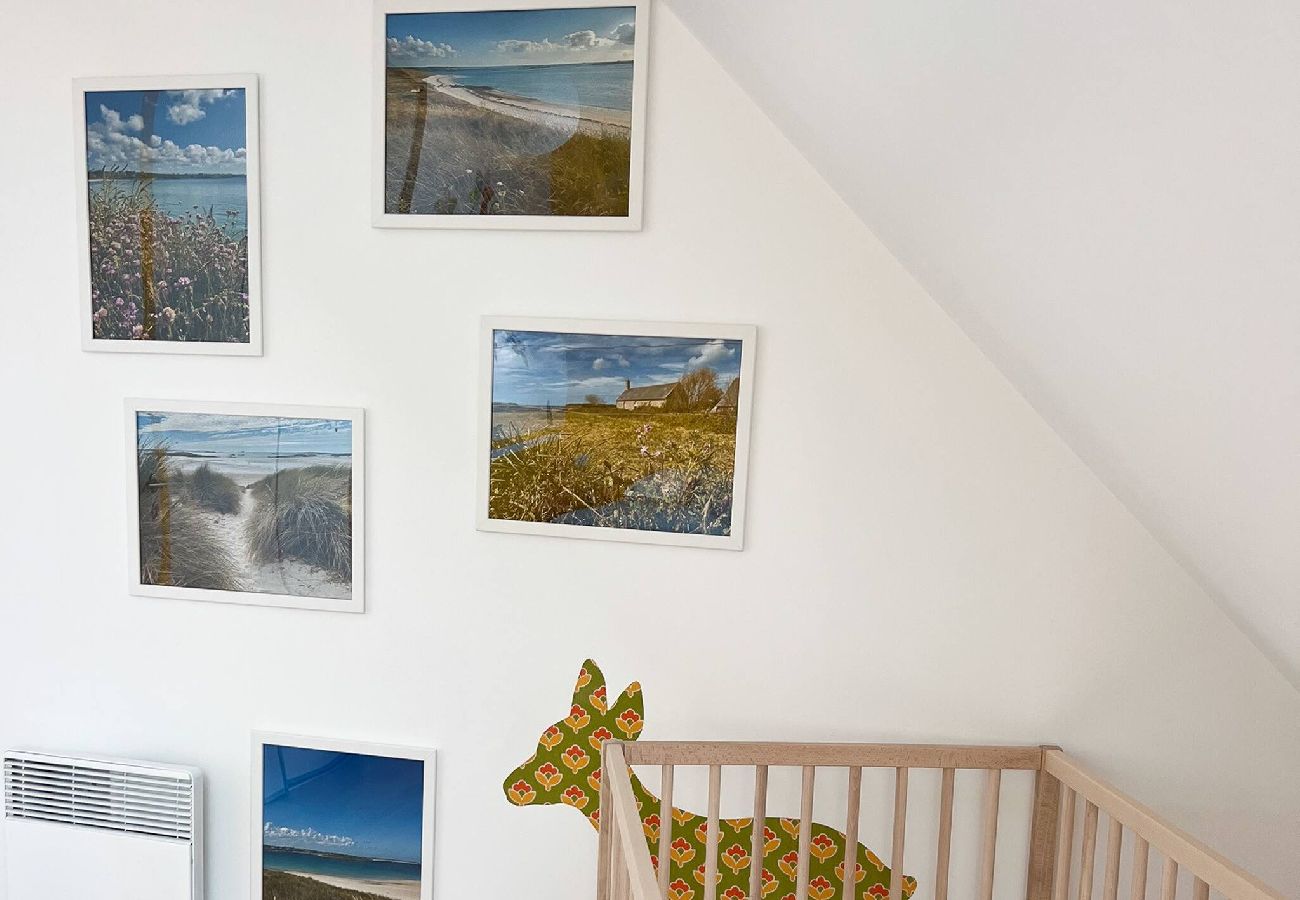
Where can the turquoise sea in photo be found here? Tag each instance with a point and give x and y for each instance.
(178, 197)
(338, 865)
(608, 85)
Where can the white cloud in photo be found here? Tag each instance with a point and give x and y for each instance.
(585, 40)
(601, 362)
(416, 52)
(189, 105)
(299, 837)
(113, 120)
(597, 381)
(110, 144)
(221, 424)
(522, 47)
(584, 45)
(711, 354)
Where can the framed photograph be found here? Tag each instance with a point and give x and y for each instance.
(335, 819)
(167, 214)
(526, 114)
(621, 431)
(247, 503)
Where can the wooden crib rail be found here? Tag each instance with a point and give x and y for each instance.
(625, 870)
(1208, 869)
(905, 756)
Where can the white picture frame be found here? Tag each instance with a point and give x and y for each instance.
(744, 335)
(249, 84)
(353, 602)
(426, 756)
(636, 175)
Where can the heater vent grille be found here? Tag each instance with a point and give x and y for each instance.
(97, 794)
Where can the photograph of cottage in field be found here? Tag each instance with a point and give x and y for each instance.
(630, 432)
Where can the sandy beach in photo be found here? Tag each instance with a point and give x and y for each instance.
(586, 119)
(394, 890)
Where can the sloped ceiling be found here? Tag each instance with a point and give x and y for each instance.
(1106, 196)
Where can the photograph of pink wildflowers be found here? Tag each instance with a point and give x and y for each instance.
(169, 216)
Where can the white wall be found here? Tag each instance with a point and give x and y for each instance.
(926, 559)
(1104, 196)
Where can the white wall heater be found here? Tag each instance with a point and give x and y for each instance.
(77, 828)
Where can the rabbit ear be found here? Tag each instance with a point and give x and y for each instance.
(590, 681)
(628, 713)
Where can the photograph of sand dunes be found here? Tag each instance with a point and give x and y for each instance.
(526, 117)
(342, 821)
(167, 178)
(243, 503)
(615, 430)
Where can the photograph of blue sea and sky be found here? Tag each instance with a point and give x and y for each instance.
(340, 826)
(245, 503)
(524, 112)
(614, 431)
(168, 215)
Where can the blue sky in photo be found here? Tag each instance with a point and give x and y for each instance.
(199, 131)
(512, 38)
(533, 368)
(347, 803)
(222, 435)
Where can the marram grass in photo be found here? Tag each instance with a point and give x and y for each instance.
(304, 514)
(178, 545)
(583, 471)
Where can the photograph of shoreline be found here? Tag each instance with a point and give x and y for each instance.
(168, 223)
(618, 432)
(341, 826)
(516, 113)
(245, 503)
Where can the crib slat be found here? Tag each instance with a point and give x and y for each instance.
(851, 817)
(665, 828)
(900, 833)
(805, 831)
(992, 793)
(711, 839)
(1044, 824)
(619, 882)
(1114, 839)
(1141, 851)
(608, 838)
(1088, 852)
(1064, 847)
(757, 843)
(1200, 890)
(622, 881)
(1169, 880)
(945, 835)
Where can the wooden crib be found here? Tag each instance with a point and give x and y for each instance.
(1059, 866)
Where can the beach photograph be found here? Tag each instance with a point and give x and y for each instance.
(341, 826)
(234, 503)
(616, 432)
(167, 205)
(523, 112)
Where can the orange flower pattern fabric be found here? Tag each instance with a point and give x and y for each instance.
(565, 770)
